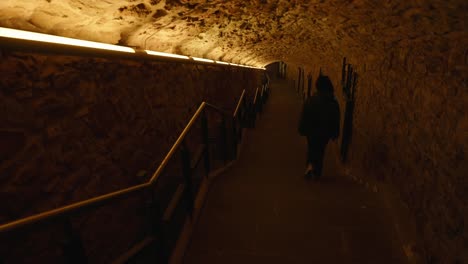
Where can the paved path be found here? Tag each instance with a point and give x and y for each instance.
(264, 211)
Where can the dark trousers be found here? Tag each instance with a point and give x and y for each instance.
(315, 152)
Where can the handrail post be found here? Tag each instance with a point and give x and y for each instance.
(224, 139)
(253, 114)
(260, 101)
(72, 247)
(187, 173)
(253, 110)
(156, 225)
(242, 118)
(248, 114)
(264, 94)
(235, 134)
(205, 140)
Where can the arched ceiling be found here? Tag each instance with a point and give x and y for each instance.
(254, 32)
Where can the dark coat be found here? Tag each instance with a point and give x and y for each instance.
(320, 118)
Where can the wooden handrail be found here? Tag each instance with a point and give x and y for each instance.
(68, 209)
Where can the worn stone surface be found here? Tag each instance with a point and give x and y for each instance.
(410, 116)
(72, 128)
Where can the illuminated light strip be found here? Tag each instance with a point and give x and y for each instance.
(39, 37)
(26, 35)
(203, 60)
(164, 54)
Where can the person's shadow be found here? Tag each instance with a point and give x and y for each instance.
(349, 90)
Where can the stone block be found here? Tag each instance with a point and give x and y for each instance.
(11, 142)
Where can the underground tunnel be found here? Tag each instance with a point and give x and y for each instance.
(77, 123)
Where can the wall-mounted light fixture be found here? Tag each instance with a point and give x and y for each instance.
(164, 54)
(33, 36)
(203, 60)
(46, 38)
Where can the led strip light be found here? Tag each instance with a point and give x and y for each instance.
(39, 37)
(26, 35)
(164, 54)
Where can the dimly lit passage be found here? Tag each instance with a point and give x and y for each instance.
(265, 211)
(136, 131)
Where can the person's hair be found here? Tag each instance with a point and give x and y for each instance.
(324, 85)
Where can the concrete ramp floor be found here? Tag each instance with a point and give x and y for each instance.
(264, 211)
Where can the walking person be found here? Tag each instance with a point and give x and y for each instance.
(319, 122)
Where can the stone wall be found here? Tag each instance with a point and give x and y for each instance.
(75, 127)
(410, 131)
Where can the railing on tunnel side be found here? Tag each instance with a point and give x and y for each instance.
(211, 137)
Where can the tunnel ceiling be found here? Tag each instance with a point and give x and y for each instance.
(254, 32)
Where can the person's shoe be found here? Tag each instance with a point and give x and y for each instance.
(308, 173)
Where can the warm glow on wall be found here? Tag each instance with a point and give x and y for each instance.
(26, 35)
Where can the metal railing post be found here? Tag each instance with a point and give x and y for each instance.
(250, 114)
(260, 102)
(224, 139)
(253, 110)
(205, 140)
(267, 88)
(157, 231)
(72, 247)
(187, 173)
(235, 134)
(242, 118)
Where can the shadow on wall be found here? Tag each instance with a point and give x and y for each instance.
(301, 86)
(301, 83)
(348, 82)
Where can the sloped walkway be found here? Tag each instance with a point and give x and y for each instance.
(264, 211)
